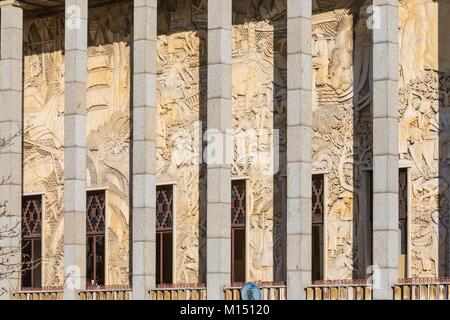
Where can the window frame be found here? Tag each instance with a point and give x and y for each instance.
(160, 232)
(33, 239)
(322, 229)
(239, 227)
(406, 220)
(93, 235)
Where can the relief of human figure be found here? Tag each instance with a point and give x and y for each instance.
(426, 245)
(341, 60)
(342, 266)
(267, 258)
(256, 243)
(189, 265)
(261, 243)
(418, 27)
(413, 129)
(339, 224)
(321, 56)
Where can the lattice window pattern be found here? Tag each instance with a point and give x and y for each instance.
(317, 199)
(164, 208)
(31, 216)
(95, 218)
(238, 203)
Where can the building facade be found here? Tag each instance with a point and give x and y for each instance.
(178, 149)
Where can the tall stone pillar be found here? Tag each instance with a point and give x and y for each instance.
(219, 120)
(144, 148)
(11, 129)
(299, 135)
(75, 147)
(385, 147)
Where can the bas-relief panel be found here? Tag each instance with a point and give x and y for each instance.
(43, 135)
(108, 127)
(425, 130)
(181, 104)
(259, 105)
(342, 140)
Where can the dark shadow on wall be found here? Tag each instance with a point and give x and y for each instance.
(279, 97)
(442, 225)
(362, 141)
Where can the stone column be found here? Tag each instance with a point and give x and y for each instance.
(299, 135)
(385, 146)
(11, 129)
(144, 147)
(219, 121)
(75, 147)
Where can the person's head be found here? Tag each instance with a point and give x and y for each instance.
(347, 200)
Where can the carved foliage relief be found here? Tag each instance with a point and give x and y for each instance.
(342, 140)
(43, 136)
(108, 127)
(259, 106)
(424, 131)
(181, 104)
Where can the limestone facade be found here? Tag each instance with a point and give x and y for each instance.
(349, 90)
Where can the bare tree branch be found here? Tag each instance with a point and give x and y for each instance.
(10, 231)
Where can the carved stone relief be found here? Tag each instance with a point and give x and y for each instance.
(43, 137)
(108, 127)
(424, 131)
(259, 106)
(181, 91)
(342, 140)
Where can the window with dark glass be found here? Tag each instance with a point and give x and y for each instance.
(369, 255)
(95, 234)
(238, 216)
(403, 221)
(31, 241)
(317, 226)
(164, 234)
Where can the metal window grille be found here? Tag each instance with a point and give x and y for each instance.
(95, 234)
(31, 241)
(164, 233)
(317, 199)
(238, 204)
